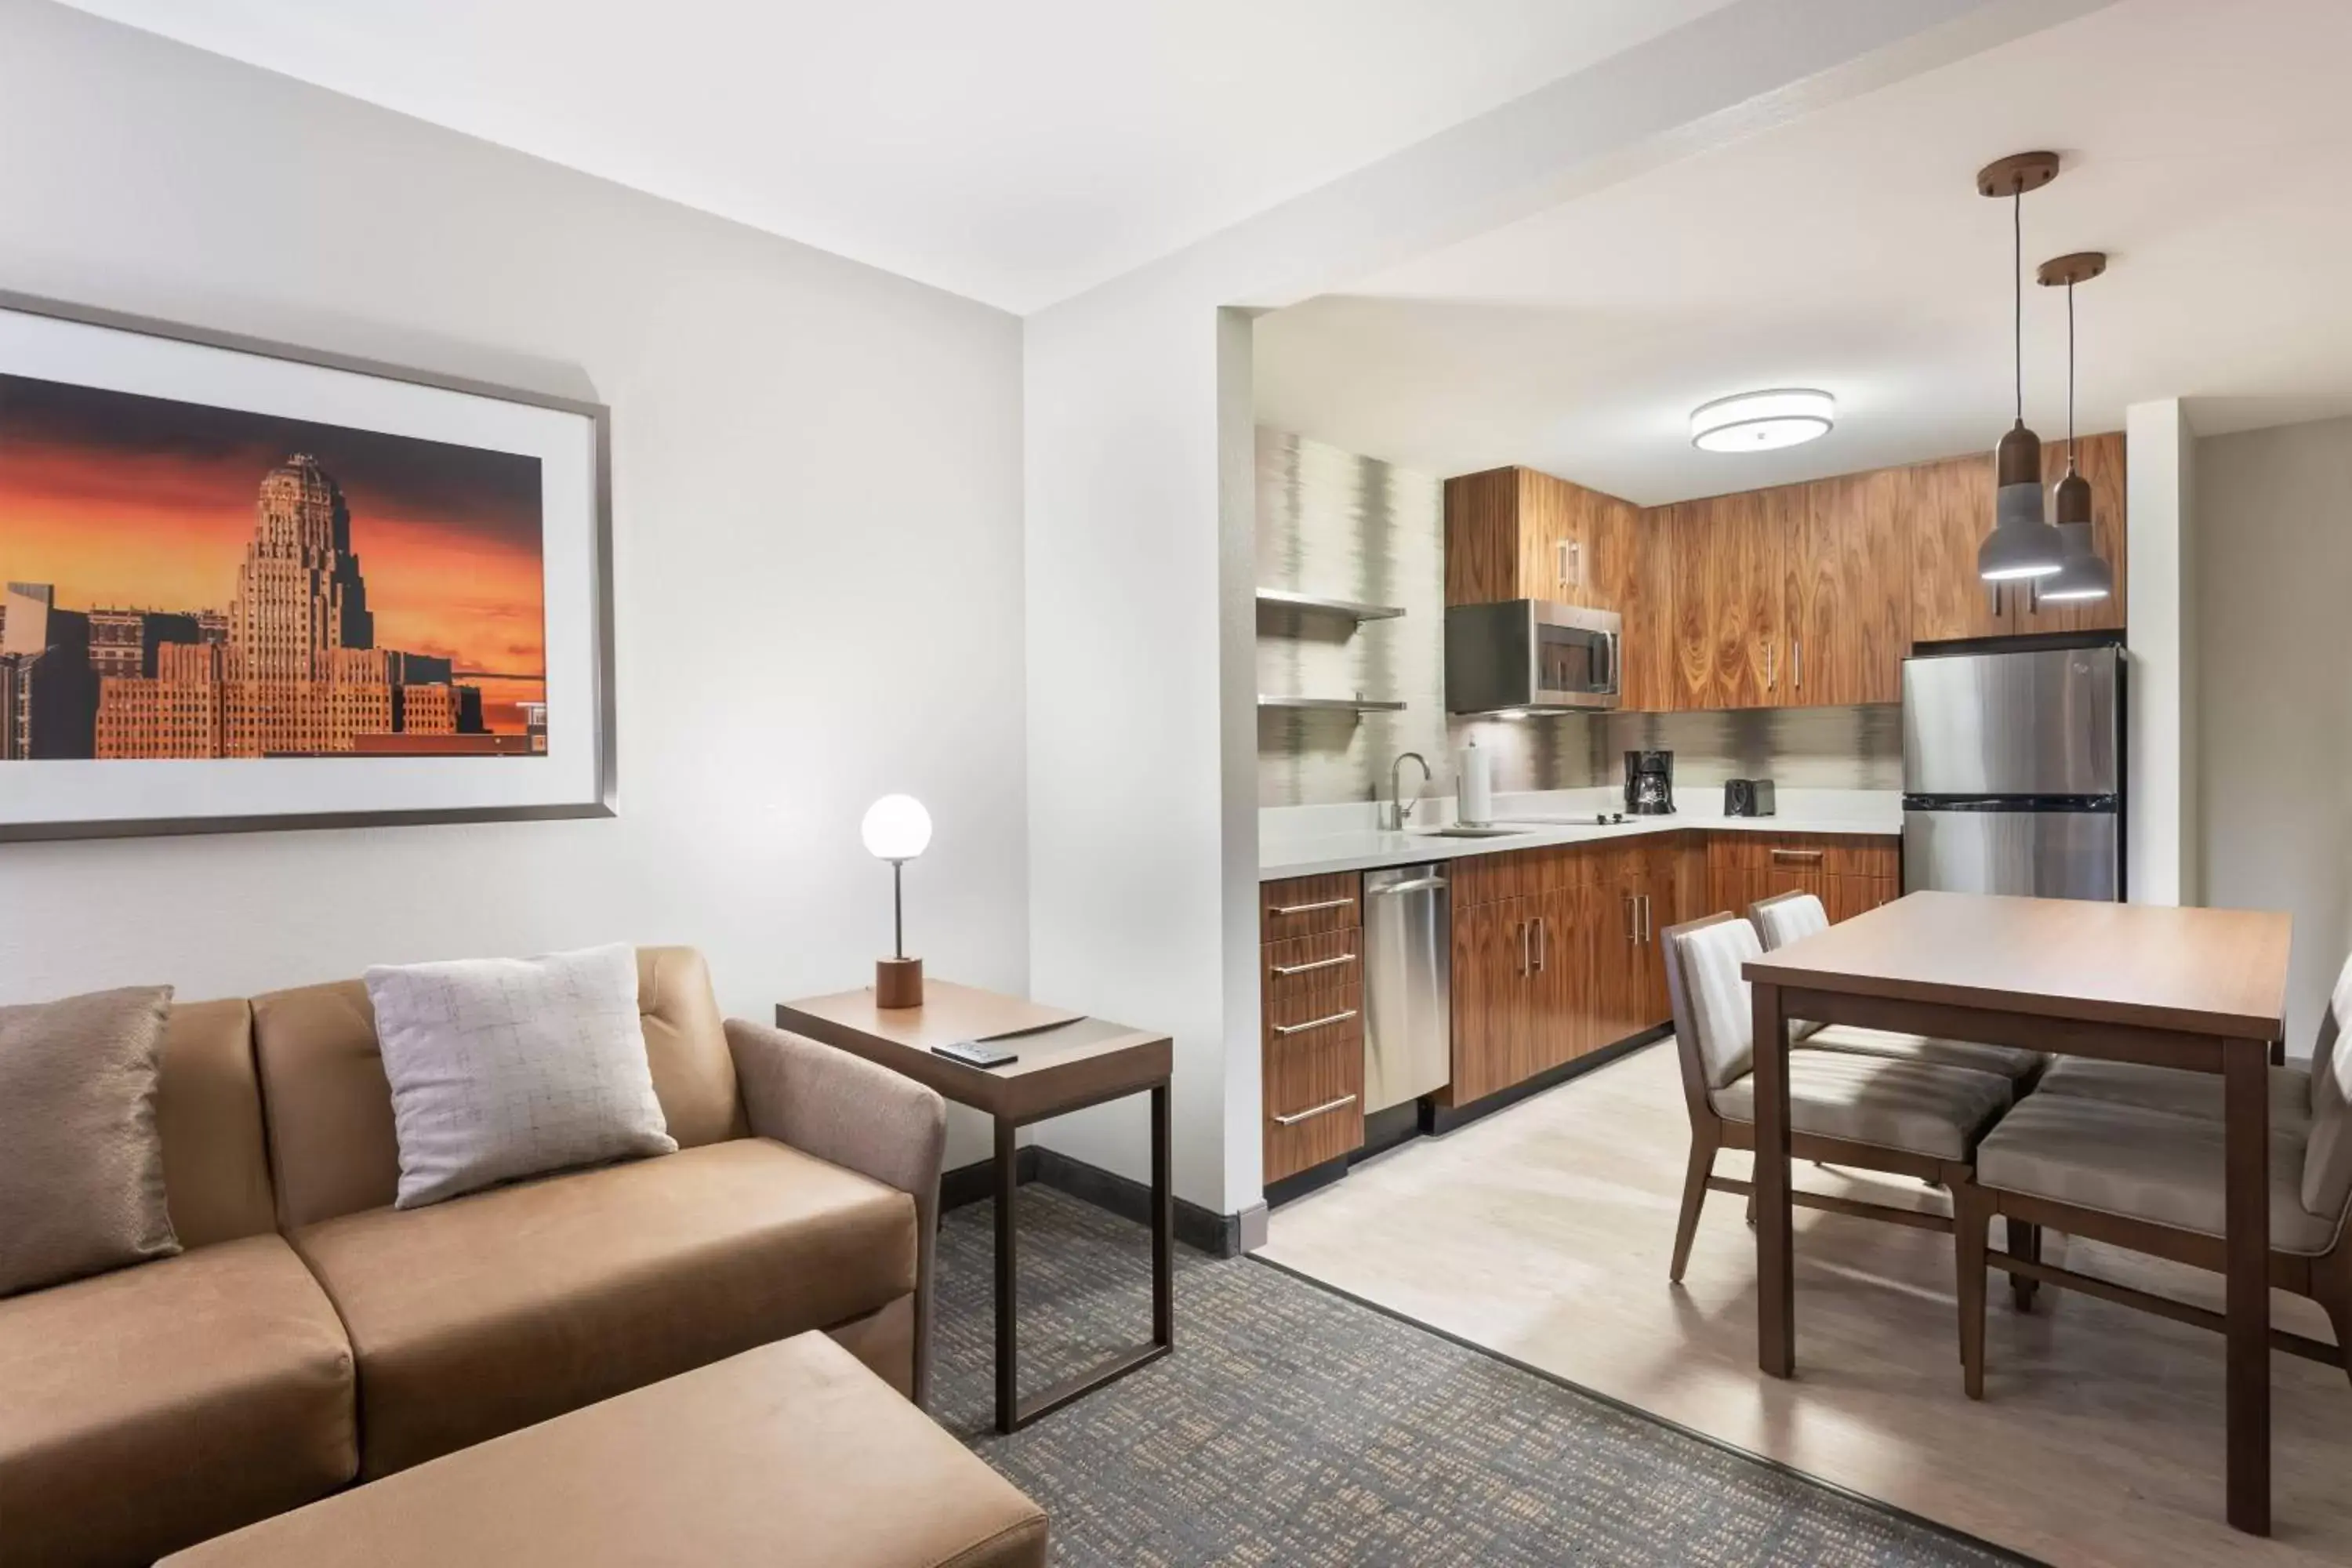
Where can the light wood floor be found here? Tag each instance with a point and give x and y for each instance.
(1543, 1233)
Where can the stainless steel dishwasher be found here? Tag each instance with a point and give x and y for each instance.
(1408, 985)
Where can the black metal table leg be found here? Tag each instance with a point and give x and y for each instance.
(1012, 1412)
(1008, 1365)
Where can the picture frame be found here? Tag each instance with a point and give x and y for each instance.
(271, 683)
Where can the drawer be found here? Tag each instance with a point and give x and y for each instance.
(1524, 873)
(1833, 854)
(1309, 906)
(1324, 1010)
(1314, 1101)
(1306, 966)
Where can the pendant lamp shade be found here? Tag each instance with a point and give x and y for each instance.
(2022, 544)
(2081, 573)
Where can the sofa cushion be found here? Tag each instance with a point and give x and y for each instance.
(1933, 1111)
(82, 1171)
(2143, 1164)
(208, 1117)
(491, 1312)
(791, 1456)
(331, 1147)
(507, 1067)
(155, 1406)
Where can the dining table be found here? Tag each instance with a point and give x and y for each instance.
(2199, 989)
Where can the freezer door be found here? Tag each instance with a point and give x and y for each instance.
(2039, 854)
(2041, 723)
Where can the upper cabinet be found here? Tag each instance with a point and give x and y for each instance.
(1951, 510)
(1514, 533)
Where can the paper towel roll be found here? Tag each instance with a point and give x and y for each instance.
(1474, 774)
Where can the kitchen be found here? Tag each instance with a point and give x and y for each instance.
(1719, 720)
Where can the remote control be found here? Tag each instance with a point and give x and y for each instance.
(976, 1052)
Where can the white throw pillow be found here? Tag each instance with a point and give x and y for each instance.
(505, 1067)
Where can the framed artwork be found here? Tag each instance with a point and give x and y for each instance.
(245, 585)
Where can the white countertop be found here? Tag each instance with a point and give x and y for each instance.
(1315, 840)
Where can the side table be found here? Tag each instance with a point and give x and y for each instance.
(1067, 1062)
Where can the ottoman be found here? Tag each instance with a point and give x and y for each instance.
(792, 1453)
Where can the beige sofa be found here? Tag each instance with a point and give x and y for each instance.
(311, 1335)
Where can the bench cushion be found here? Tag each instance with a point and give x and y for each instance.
(1933, 1111)
(488, 1312)
(2012, 1062)
(151, 1407)
(791, 1454)
(2143, 1164)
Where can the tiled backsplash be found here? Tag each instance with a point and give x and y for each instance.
(1342, 526)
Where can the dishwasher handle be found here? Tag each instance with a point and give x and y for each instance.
(1418, 885)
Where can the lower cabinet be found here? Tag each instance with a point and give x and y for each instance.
(1564, 966)
(1850, 872)
(1311, 1021)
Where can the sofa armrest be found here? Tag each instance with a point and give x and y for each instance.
(855, 1114)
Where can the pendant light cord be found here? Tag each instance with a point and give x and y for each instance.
(2070, 376)
(2017, 285)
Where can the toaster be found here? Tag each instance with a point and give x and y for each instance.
(1747, 798)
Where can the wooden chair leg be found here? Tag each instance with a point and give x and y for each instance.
(1751, 1203)
(1702, 1167)
(1970, 1217)
(2025, 1242)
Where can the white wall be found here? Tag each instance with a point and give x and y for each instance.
(2272, 562)
(817, 519)
(1142, 846)
(2160, 848)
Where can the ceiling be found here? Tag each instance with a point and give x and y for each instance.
(2208, 148)
(1014, 151)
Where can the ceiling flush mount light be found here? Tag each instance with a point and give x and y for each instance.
(1762, 421)
(2082, 574)
(2022, 544)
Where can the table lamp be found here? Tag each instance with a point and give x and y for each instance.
(897, 828)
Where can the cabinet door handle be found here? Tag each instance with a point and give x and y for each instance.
(1796, 857)
(1312, 1111)
(1797, 674)
(1526, 964)
(1649, 922)
(1318, 963)
(1311, 909)
(1772, 664)
(1633, 918)
(1543, 942)
(1323, 1023)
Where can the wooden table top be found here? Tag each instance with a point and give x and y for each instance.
(1067, 1061)
(2211, 972)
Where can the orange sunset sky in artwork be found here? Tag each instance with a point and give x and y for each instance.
(143, 503)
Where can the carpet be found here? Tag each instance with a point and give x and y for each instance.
(1293, 1426)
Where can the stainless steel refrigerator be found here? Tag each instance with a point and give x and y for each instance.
(2013, 772)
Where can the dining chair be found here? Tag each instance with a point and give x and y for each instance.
(1791, 917)
(2150, 1179)
(1872, 1113)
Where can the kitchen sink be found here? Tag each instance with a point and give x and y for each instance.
(1462, 830)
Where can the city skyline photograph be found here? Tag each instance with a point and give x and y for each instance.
(242, 584)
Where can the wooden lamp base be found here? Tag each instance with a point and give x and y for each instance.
(898, 982)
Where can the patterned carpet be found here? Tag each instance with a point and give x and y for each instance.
(1295, 1426)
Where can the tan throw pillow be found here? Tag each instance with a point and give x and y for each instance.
(506, 1068)
(82, 1171)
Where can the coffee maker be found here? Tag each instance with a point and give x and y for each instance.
(1649, 784)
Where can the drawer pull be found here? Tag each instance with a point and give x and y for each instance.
(1311, 909)
(1315, 1024)
(1312, 1111)
(1318, 963)
(1797, 856)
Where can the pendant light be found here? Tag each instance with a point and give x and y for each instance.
(2082, 574)
(2022, 544)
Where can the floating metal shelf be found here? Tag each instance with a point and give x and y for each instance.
(1284, 599)
(1330, 704)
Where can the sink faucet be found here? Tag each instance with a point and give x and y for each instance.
(1400, 808)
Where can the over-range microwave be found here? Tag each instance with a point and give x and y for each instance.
(1529, 656)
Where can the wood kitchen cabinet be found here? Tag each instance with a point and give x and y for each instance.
(1850, 873)
(1515, 533)
(1950, 506)
(1311, 1020)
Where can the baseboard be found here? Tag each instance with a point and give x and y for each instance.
(1445, 1119)
(1218, 1234)
(1298, 1183)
